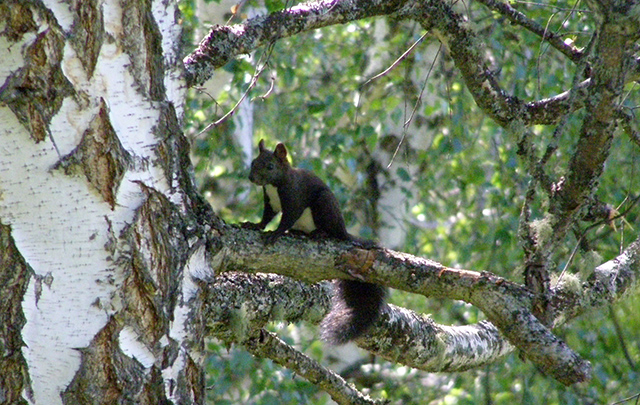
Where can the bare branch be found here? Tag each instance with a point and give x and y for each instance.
(254, 79)
(609, 282)
(517, 17)
(397, 61)
(223, 43)
(401, 335)
(551, 110)
(405, 337)
(267, 344)
(270, 297)
(505, 304)
(615, 46)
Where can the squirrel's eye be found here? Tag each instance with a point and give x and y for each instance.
(271, 166)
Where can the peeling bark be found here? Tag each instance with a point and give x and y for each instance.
(15, 274)
(97, 226)
(117, 283)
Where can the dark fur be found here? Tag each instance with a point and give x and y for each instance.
(356, 305)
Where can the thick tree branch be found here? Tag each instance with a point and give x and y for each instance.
(610, 281)
(613, 62)
(224, 43)
(400, 335)
(269, 297)
(412, 339)
(237, 304)
(505, 304)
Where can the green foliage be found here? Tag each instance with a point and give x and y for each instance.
(456, 174)
(235, 377)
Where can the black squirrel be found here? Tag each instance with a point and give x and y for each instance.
(308, 205)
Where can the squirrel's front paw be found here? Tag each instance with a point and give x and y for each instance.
(250, 225)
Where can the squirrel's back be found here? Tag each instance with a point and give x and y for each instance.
(307, 204)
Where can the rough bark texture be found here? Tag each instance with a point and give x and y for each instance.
(401, 335)
(223, 43)
(523, 314)
(109, 254)
(265, 344)
(14, 277)
(99, 213)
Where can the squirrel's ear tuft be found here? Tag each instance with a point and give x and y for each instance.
(261, 145)
(281, 152)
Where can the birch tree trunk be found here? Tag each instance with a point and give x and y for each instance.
(92, 205)
(101, 228)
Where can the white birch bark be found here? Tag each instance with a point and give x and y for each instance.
(89, 102)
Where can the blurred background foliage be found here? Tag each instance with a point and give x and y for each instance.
(448, 186)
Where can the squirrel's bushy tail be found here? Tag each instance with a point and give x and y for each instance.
(356, 306)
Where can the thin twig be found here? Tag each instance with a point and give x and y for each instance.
(628, 122)
(521, 19)
(566, 265)
(636, 397)
(254, 80)
(265, 95)
(415, 107)
(590, 227)
(397, 61)
(620, 336)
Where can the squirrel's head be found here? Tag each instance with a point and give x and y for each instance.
(269, 167)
